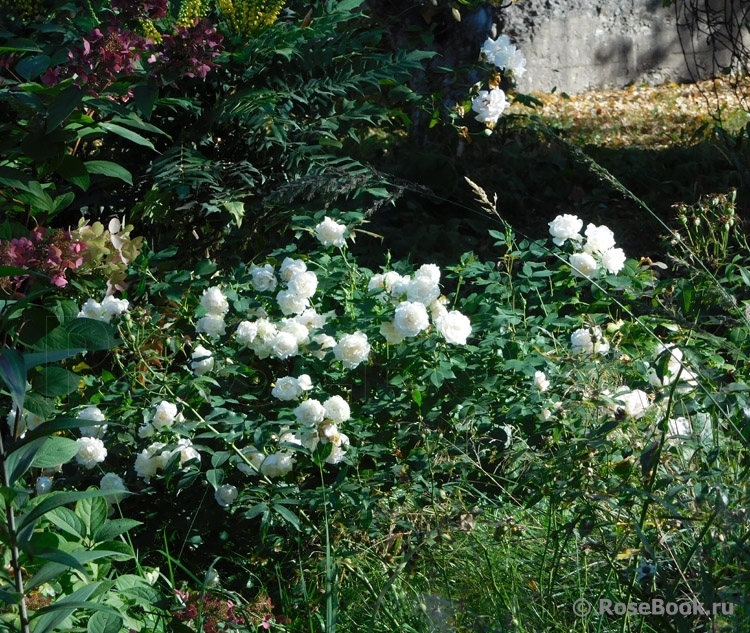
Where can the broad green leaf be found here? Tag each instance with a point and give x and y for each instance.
(145, 96)
(236, 210)
(67, 521)
(9, 597)
(79, 333)
(74, 171)
(55, 451)
(127, 133)
(54, 382)
(61, 558)
(42, 358)
(104, 622)
(31, 67)
(51, 616)
(108, 168)
(63, 106)
(50, 571)
(14, 178)
(13, 373)
(61, 202)
(93, 513)
(55, 500)
(215, 476)
(345, 6)
(116, 550)
(12, 271)
(21, 459)
(113, 528)
(287, 515)
(21, 44)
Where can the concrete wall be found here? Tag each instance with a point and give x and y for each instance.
(575, 45)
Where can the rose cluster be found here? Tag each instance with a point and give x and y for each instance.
(598, 251)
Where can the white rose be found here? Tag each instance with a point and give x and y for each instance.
(95, 415)
(583, 264)
(589, 341)
(214, 301)
(297, 330)
(633, 403)
(305, 382)
(430, 273)
(112, 307)
(438, 309)
(291, 267)
(186, 451)
(455, 327)
(337, 409)
(211, 324)
(614, 260)
(284, 345)
(165, 415)
(565, 227)
(304, 284)
(92, 310)
(489, 105)
(396, 284)
(680, 428)
(339, 449)
(330, 233)
(146, 430)
(112, 481)
(202, 361)
(423, 291)
(410, 318)
(510, 59)
(324, 343)
(225, 496)
(310, 412)
(263, 278)
(291, 303)
(286, 388)
(246, 333)
(255, 457)
(377, 282)
(312, 320)
(352, 349)
(540, 381)
(599, 239)
(91, 451)
(391, 333)
(277, 464)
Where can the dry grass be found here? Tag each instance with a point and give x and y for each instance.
(644, 116)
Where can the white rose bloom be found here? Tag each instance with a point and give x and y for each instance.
(297, 330)
(214, 301)
(211, 324)
(92, 310)
(266, 333)
(491, 47)
(565, 227)
(430, 273)
(377, 282)
(287, 388)
(583, 264)
(396, 284)
(304, 284)
(284, 345)
(511, 60)
(331, 233)
(146, 430)
(325, 342)
(337, 409)
(225, 496)
(263, 278)
(589, 341)
(185, 450)
(438, 309)
(112, 307)
(43, 485)
(391, 333)
(255, 457)
(675, 366)
(290, 267)
(352, 349)
(147, 462)
(305, 382)
(540, 381)
(312, 320)
(423, 291)
(91, 451)
(165, 415)
(277, 464)
(202, 362)
(410, 318)
(113, 481)
(291, 303)
(310, 412)
(599, 239)
(633, 403)
(455, 327)
(614, 260)
(339, 449)
(246, 333)
(95, 415)
(489, 105)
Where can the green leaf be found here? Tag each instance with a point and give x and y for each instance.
(113, 528)
(67, 521)
(13, 373)
(42, 358)
(52, 570)
(12, 271)
(145, 96)
(21, 44)
(55, 500)
(128, 134)
(79, 333)
(61, 558)
(63, 106)
(55, 451)
(287, 515)
(93, 513)
(108, 168)
(104, 622)
(21, 459)
(236, 210)
(346, 6)
(50, 617)
(31, 67)
(55, 382)
(74, 171)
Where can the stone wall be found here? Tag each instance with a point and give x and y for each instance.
(575, 45)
